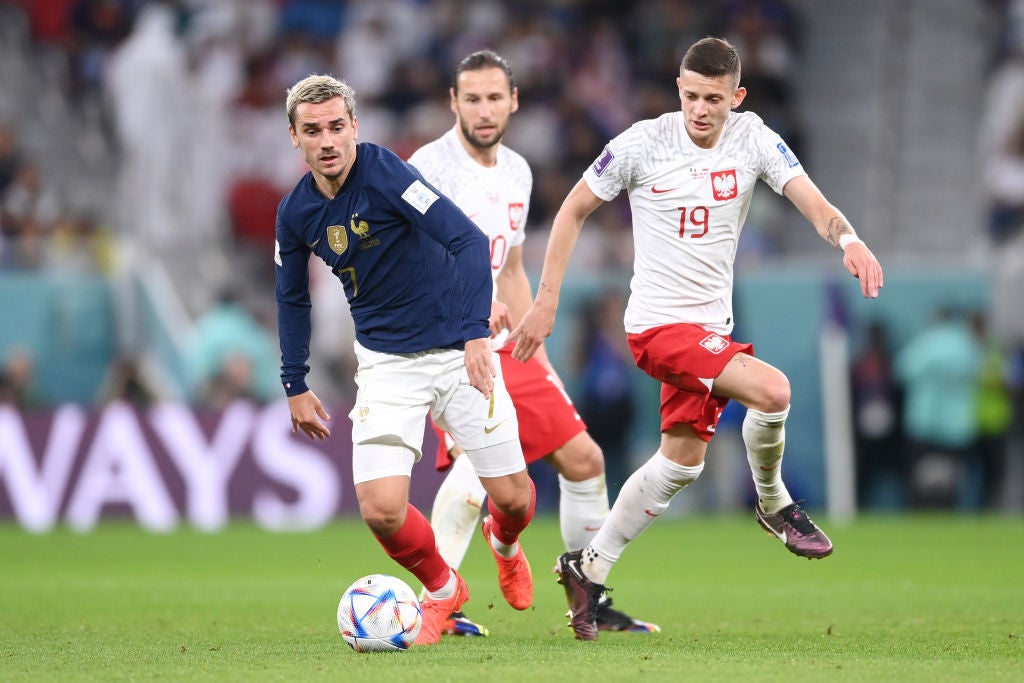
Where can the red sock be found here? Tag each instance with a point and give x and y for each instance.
(507, 529)
(413, 546)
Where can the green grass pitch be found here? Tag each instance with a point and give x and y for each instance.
(926, 598)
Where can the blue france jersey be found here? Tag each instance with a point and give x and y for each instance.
(415, 269)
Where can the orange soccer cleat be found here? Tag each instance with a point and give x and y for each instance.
(514, 575)
(436, 613)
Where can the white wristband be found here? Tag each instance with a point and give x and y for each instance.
(847, 239)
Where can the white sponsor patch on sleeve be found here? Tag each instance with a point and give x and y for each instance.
(420, 196)
(277, 253)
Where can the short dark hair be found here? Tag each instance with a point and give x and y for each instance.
(483, 59)
(712, 57)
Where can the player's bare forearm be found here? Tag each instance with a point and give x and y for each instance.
(514, 287)
(514, 291)
(539, 320)
(565, 230)
(836, 227)
(833, 227)
(828, 221)
(536, 324)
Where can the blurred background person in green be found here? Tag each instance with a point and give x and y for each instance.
(938, 369)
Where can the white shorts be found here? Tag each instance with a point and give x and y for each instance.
(396, 390)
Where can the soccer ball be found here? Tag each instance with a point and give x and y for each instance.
(379, 613)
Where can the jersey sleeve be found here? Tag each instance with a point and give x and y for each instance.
(778, 162)
(431, 166)
(617, 165)
(436, 215)
(291, 269)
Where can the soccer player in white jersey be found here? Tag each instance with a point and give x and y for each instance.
(492, 184)
(689, 175)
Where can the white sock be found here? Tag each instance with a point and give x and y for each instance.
(446, 591)
(582, 508)
(764, 435)
(642, 499)
(504, 549)
(456, 511)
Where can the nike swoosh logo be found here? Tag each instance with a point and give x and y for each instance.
(655, 190)
(488, 430)
(781, 535)
(649, 513)
(592, 528)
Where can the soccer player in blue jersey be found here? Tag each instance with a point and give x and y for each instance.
(416, 274)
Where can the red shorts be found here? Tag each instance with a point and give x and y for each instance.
(685, 359)
(547, 417)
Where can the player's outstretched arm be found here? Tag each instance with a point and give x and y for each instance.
(514, 290)
(307, 415)
(833, 227)
(539, 319)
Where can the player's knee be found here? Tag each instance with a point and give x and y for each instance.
(517, 506)
(382, 520)
(514, 501)
(775, 394)
(519, 510)
(580, 459)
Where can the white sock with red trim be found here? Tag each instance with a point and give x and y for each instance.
(764, 435)
(642, 499)
(582, 508)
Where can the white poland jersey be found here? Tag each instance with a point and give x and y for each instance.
(496, 198)
(688, 207)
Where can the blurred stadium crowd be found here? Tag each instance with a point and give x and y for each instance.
(160, 126)
(187, 97)
(173, 135)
